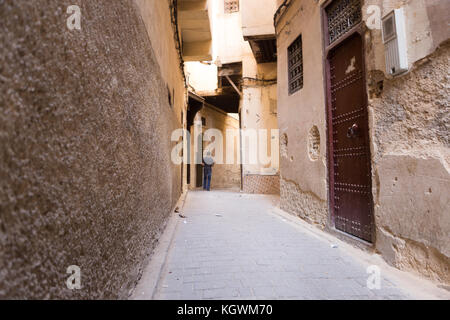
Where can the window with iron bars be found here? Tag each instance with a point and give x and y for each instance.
(231, 6)
(342, 16)
(295, 65)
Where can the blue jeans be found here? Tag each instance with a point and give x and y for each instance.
(207, 180)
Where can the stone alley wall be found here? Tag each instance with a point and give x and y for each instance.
(409, 120)
(85, 171)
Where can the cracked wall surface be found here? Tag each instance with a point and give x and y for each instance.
(407, 254)
(305, 205)
(85, 171)
(410, 123)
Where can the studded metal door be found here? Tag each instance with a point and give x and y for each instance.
(350, 150)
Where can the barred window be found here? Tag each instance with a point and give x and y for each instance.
(231, 6)
(342, 15)
(295, 65)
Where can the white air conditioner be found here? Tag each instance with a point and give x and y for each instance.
(394, 39)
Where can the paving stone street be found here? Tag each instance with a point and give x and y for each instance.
(233, 246)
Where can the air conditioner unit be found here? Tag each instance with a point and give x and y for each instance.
(394, 39)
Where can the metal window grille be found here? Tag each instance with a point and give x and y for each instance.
(295, 63)
(342, 16)
(231, 6)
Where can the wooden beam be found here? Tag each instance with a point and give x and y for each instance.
(234, 86)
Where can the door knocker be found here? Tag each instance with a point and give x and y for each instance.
(353, 131)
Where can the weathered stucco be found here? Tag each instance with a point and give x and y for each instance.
(85, 171)
(426, 28)
(157, 18)
(259, 109)
(410, 123)
(303, 183)
(304, 204)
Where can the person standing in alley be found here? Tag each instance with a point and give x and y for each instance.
(208, 163)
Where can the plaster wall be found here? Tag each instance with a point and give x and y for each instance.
(156, 16)
(258, 112)
(257, 17)
(426, 28)
(85, 121)
(201, 76)
(303, 181)
(409, 120)
(227, 34)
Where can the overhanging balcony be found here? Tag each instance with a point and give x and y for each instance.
(258, 28)
(195, 29)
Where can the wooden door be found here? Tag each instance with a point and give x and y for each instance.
(350, 151)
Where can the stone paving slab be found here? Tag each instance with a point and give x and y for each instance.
(231, 247)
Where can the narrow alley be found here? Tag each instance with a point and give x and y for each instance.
(224, 149)
(239, 246)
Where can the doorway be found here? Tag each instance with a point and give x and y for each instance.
(348, 134)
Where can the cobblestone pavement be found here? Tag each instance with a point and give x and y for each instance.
(230, 246)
